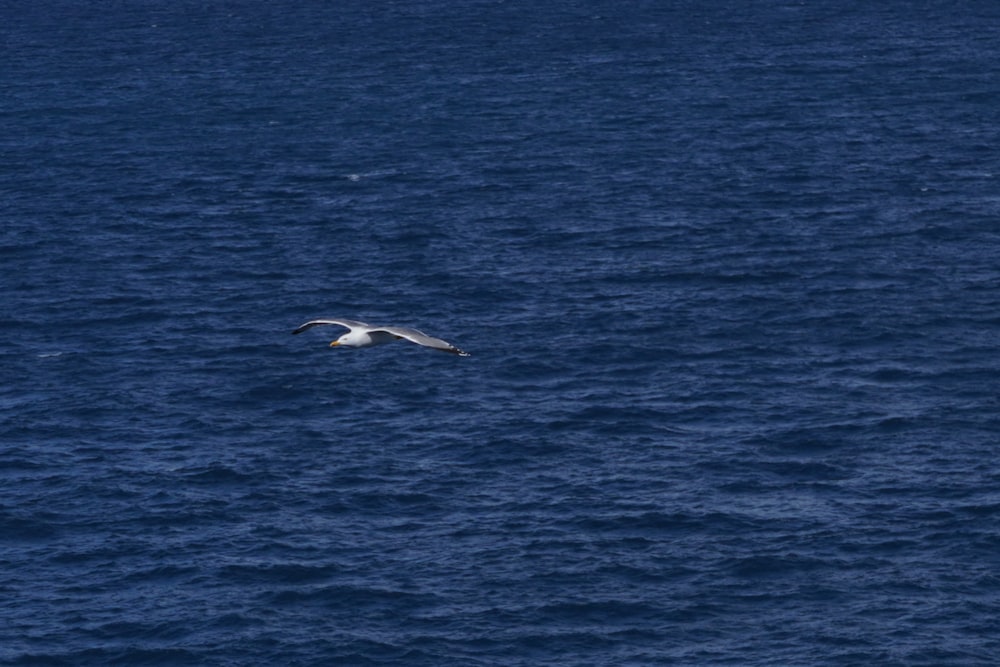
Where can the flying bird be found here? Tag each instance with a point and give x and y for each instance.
(360, 334)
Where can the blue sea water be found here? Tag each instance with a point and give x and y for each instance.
(729, 273)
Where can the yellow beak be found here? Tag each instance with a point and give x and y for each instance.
(335, 343)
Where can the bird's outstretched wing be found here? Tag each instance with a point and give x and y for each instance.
(420, 338)
(350, 324)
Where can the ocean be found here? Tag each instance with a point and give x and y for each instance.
(729, 274)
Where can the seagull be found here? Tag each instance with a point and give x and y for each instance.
(365, 335)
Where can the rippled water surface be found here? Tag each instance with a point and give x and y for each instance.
(728, 273)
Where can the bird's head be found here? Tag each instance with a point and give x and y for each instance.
(349, 339)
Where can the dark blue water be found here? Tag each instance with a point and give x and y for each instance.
(729, 273)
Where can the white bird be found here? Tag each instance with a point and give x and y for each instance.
(365, 335)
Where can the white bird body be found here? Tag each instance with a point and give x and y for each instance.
(360, 334)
